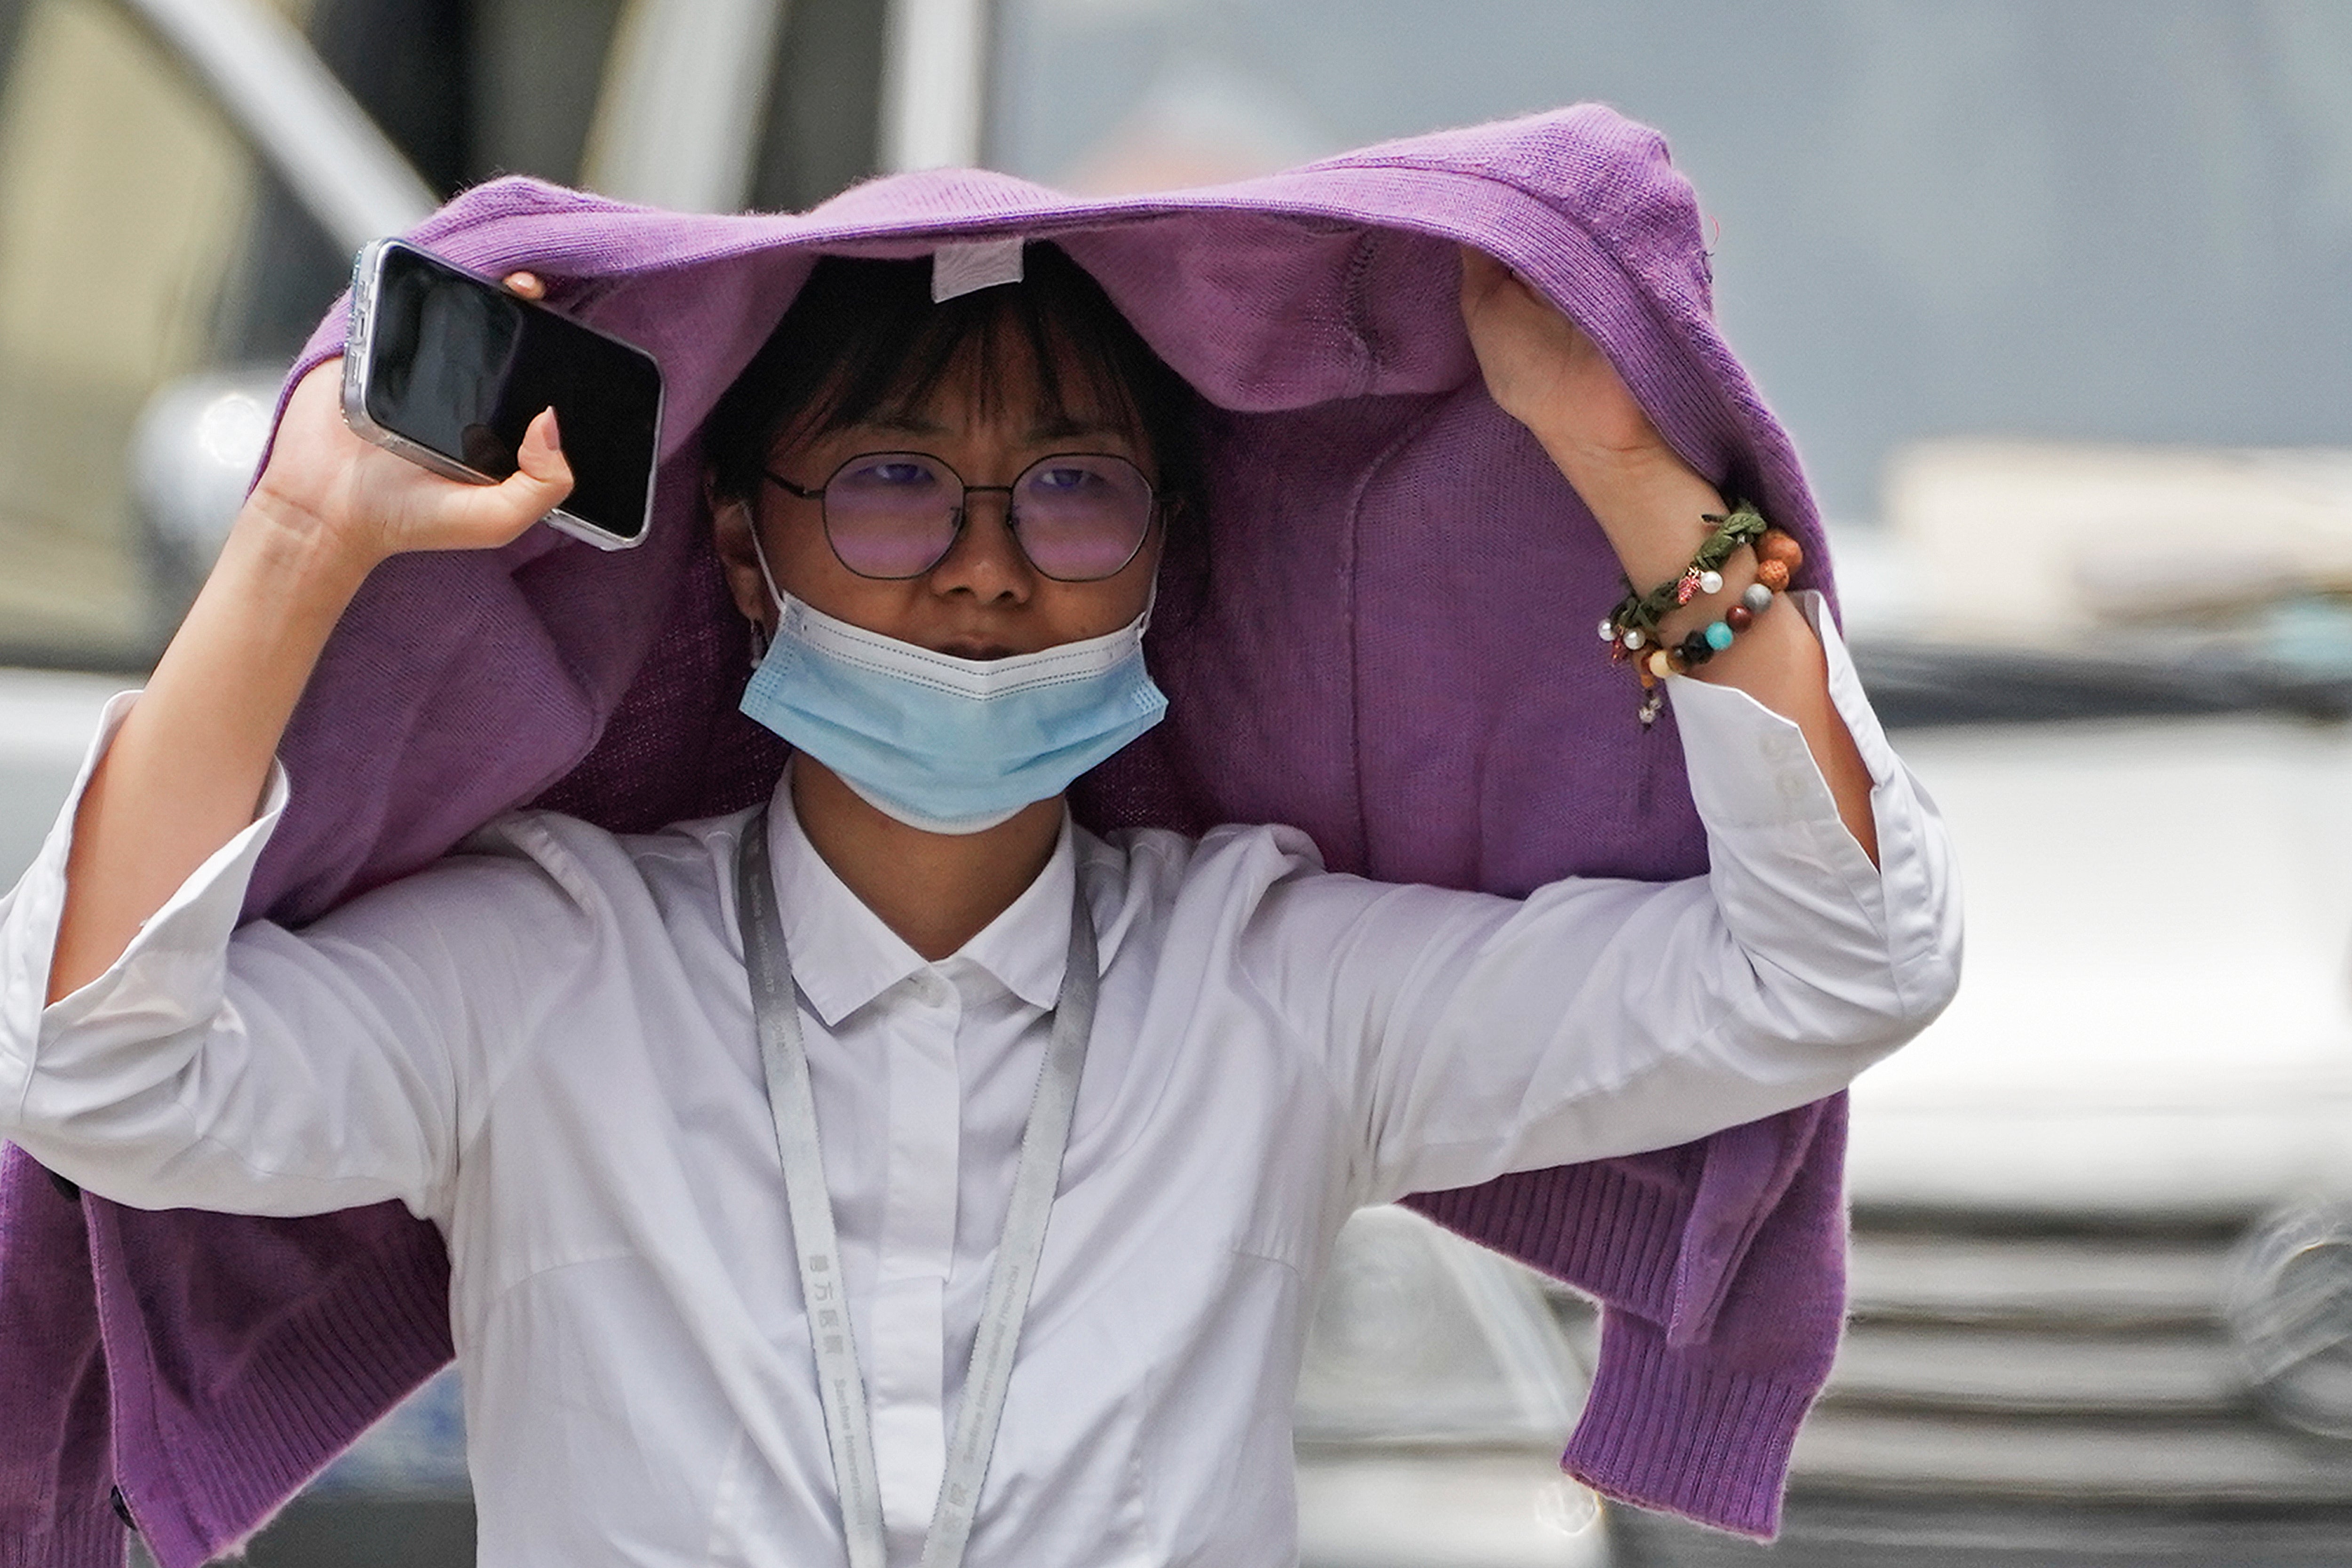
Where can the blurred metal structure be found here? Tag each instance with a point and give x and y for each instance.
(2290, 1308)
(1423, 1339)
(270, 85)
(934, 82)
(46, 718)
(1916, 681)
(678, 124)
(2072, 1360)
(1439, 1382)
(687, 116)
(2041, 1390)
(685, 94)
(2098, 1307)
(193, 456)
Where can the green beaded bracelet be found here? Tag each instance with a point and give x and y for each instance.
(1643, 612)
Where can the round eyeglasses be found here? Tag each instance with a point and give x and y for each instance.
(1077, 516)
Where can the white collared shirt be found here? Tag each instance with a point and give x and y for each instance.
(544, 1045)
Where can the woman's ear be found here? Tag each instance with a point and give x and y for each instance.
(730, 534)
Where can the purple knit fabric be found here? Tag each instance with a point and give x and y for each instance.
(1394, 652)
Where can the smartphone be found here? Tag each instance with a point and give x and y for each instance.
(448, 369)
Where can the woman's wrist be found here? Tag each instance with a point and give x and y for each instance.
(303, 561)
(1658, 514)
(1649, 503)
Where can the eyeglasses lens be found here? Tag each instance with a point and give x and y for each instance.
(892, 514)
(1081, 518)
(1077, 518)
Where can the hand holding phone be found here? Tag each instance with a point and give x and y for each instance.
(347, 500)
(448, 369)
(181, 774)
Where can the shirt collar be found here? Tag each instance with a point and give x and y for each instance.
(844, 956)
(1028, 947)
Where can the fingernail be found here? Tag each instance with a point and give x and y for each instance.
(554, 434)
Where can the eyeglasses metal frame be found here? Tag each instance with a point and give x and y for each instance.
(1011, 511)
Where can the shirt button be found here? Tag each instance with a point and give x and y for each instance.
(933, 991)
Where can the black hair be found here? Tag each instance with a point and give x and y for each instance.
(864, 338)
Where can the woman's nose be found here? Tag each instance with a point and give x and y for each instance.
(986, 560)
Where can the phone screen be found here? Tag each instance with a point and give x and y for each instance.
(463, 367)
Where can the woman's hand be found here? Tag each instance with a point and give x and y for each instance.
(1544, 372)
(360, 503)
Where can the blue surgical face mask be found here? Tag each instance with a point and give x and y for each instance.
(947, 744)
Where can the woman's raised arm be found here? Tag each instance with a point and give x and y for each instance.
(191, 760)
(1544, 373)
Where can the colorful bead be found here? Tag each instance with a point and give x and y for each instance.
(1632, 629)
(1778, 546)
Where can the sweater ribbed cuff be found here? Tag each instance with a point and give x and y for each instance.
(1604, 1227)
(1665, 1429)
(333, 1368)
(92, 1538)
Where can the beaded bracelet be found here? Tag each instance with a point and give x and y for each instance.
(1639, 611)
(1778, 557)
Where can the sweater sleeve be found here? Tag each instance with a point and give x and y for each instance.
(1474, 1036)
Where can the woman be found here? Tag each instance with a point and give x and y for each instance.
(547, 1046)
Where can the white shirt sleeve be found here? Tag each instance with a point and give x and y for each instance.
(1474, 1036)
(274, 1073)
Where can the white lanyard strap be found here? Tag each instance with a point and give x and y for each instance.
(848, 1429)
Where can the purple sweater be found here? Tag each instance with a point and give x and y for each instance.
(1395, 653)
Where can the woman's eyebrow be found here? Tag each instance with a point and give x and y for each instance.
(1067, 426)
(902, 425)
(1059, 427)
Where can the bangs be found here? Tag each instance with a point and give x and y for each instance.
(1004, 338)
(864, 341)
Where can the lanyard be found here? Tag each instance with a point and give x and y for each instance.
(848, 1428)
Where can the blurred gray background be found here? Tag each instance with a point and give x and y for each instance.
(2118, 219)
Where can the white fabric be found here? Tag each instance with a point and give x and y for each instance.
(966, 269)
(545, 1046)
(1036, 1177)
(976, 679)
